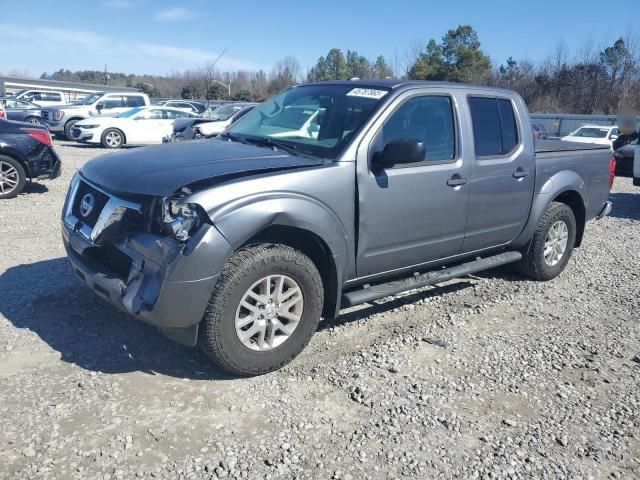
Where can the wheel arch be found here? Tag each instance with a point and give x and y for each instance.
(106, 129)
(565, 187)
(302, 223)
(18, 158)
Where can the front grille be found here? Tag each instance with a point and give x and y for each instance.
(99, 201)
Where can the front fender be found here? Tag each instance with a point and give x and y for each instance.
(244, 218)
(557, 184)
(240, 220)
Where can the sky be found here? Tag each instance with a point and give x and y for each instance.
(162, 36)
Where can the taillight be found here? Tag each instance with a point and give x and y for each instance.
(2, 113)
(612, 171)
(40, 134)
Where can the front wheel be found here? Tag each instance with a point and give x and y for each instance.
(112, 138)
(265, 307)
(552, 244)
(33, 120)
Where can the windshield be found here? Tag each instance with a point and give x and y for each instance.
(225, 112)
(591, 132)
(318, 120)
(89, 99)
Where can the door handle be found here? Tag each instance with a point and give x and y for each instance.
(456, 181)
(520, 173)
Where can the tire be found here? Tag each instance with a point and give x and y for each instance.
(112, 138)
(67, 128)
(12, 177)
(534, 263)
(33, 120)
(219, 334)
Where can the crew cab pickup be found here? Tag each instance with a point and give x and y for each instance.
(60, 120)
(242, 243)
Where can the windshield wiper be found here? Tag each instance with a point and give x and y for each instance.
(277, 144)
(232, 137)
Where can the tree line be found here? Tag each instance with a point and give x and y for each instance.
(595, 81)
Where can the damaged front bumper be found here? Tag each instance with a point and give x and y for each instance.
(152, 277)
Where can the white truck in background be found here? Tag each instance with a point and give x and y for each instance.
(60, 120)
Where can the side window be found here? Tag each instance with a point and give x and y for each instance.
(242, 114)
(495, 131)
(133, 101)
(428, 119)
(112, 102)
(52, 97)
(155, 114)
(34, 97)
(171, 114)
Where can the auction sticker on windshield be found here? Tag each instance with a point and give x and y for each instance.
(367, 93)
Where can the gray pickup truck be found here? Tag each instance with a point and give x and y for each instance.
(326, 196)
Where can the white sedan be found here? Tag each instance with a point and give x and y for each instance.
(138, 126)
(597, 134)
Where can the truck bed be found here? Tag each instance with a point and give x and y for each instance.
(547, 146)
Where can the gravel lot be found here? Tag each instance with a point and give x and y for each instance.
(489, 376)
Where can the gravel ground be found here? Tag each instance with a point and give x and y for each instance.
(489, 376)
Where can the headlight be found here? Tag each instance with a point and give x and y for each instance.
(180, 219)
(58, 114)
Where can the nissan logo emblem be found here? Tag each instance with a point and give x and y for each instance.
(86, 205)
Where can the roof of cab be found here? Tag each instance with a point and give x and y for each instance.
(396, 84)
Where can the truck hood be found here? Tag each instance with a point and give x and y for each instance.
(163, 169)
(68, 107)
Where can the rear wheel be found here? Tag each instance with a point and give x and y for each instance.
(552, 244)
(112, 138)
(264, 309)
(32, 120)
(12, 177)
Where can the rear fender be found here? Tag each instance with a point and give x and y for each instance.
(556, 185)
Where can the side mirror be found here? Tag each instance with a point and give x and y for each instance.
(396, 152)
(613, 137)
(99, 107)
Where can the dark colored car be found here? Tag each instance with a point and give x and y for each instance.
(21, 110)
(26, 153)
(624, 159)
(539, 132)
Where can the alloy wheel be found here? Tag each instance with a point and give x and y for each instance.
(269, 312)
(9, 177)
(555, 244)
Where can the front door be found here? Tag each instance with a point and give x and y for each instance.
(148, 126)
(412, 213)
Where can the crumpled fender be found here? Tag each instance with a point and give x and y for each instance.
(245, 217)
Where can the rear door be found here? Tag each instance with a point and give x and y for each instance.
(503, 173)
(414, 213)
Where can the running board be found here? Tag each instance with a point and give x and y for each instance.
(374, 292)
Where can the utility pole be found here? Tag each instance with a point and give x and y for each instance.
(106, 75)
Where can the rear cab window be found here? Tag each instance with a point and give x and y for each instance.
(495, 129)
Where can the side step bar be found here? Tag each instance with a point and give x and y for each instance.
(374, 292)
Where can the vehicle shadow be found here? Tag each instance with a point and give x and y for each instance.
(34, 187)
(625, 205)
(46, 298)
(381, 306)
